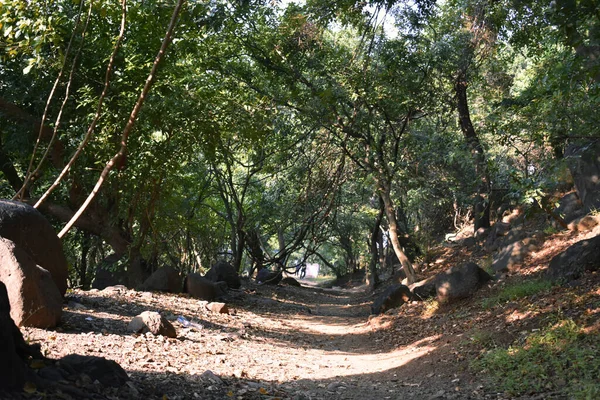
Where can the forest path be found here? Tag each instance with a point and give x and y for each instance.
(276, 342)
(336, 351)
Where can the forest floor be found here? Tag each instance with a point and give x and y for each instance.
(284, 342)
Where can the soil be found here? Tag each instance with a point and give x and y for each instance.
(285, 342)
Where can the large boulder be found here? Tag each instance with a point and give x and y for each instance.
(31, 231)
(100, 369)
(424, 289)
(393, 297)
(225, 272)
(165, 279)
(34, 298)
(584, 163)
(109, 273)
(510, 258)
(201, 288)
(12, 367)
(266, 276)
(569, 207)
(573, 262)
(459, 282)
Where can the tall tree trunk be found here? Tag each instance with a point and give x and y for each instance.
(390, 213)
(481, 208)
(372, 276)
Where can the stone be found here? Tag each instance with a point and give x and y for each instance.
(31, 231)
(268, 277)
(165, 279)
(584, 163)
(481, 234)
(290, 282)
(569, 207)
(109, 273)
(12, 367)
(460, 282)
(210, 376)
(218, 308)
(585, 223)
(510, 257)
(153, 322)
(107, 372)
(34, 298)
(224, 272)
(424, 289)
(202, 288)
(573, 262)
(393, 297)
(501, 228)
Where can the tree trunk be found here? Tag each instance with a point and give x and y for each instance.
(372, 277)
(481, 207)
(390, 212)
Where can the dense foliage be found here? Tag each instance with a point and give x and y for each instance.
(273, 130)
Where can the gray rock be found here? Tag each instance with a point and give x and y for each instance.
(510, 257)
(34, 298)
(584, 164)
(202, 288)
(224, 272)
(153, 322)
(460, 282)
(31, 232)
(165, 279)
(393, 297)
(107, 372)
(573, 262)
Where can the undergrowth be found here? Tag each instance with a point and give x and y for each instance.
(517, 291)
(560, 358)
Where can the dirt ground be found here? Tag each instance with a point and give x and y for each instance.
(284, 342)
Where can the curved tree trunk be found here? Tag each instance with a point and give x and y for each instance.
(390, 212)
(481, 208)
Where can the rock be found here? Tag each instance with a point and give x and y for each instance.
(34, 298)
(290, 282)
(218, 308)
(573, 262)
(569, 207)
(424, 289)
(165, 279)
(12, 367)
(393, 297)
(107, 372)
(459, 282)
(210, 376)
(510, 257)
(501, 228)
(584, 164)
(335, 386)
(31, 231)
(585, 223)
(469, 242)
(481, 234)
(493, 240)
(268, 277)
(153, 322)
(109, 273)
(203, 289)
(224, 272)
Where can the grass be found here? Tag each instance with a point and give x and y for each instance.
(560, 358)
(517, 291)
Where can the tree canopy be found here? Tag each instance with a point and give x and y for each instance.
(279, 132)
